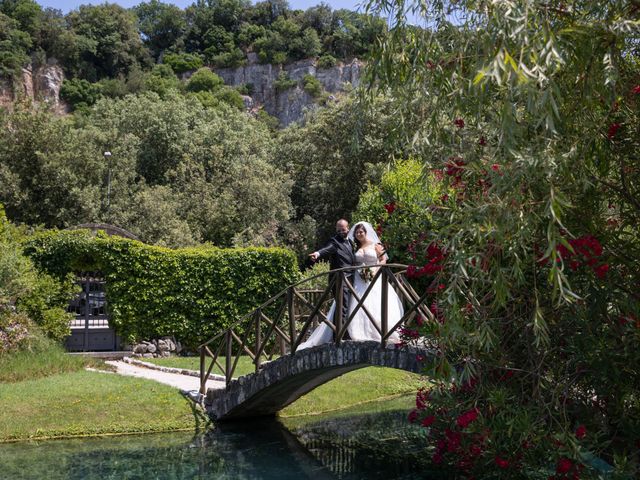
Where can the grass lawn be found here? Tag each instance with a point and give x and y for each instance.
(42, 359)
(354, 388)
(45, 393)
(88, 403)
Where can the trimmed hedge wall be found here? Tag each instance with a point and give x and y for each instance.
(191, 293)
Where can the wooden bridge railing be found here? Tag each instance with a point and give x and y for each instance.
(282, 323)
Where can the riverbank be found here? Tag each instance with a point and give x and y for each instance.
(86, 403)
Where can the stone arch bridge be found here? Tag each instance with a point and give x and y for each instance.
(271, 334)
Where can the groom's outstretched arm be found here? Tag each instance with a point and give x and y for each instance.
(325, 252)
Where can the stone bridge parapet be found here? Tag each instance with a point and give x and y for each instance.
(284, 380)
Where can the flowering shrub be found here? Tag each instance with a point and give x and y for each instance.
(401, 207)
(537, 365)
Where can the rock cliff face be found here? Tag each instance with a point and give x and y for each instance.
(43, 84)
(40, 85)
(288, 106)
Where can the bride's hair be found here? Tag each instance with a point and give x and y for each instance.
(359, 226)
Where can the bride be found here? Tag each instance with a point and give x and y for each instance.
(369, 255)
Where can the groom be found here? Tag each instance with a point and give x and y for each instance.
(339, 251)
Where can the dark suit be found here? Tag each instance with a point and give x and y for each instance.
(340, 253)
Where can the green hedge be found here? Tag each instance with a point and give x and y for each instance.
(191, 293)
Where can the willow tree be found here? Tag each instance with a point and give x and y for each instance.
(529, 110)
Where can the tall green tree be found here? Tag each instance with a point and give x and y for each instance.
(112, 43)
(14, 45)
(162, 26)
(333, 155)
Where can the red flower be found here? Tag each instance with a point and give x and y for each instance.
(564, 465)
(482, 142)
(428, 421)
(501, 462)
(581, 432)
(475, 450)
(613, 129)
(413, 416)
(390, 207)
(458, 122)
(437, 458)
(467, 418)
(419, 358)
(636, 90)
(601, 271)
(412, 271)
(453, 440)
(444, 198)
(454, 166)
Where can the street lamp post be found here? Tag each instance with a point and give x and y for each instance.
(107, 157)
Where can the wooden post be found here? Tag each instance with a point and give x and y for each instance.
(203, 381)
(229, 354)
(384, 307)
(291, 312)
(258, 317)
(337, 314)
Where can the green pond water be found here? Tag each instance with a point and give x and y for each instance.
(371, 442)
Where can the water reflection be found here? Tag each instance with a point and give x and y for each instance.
(349, 445)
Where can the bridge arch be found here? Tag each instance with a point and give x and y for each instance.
(284, 380)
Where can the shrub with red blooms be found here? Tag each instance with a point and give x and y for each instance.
(583, 251)
(539, 314)
(613, 130)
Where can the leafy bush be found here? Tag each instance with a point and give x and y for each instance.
(80, 93)
(223, 95)
(246, 89)
(191, 293)
(401, 207)
(204, 80)
(312, 86)
(327, 61)
(319, 283)
(161, 80)
(14, 44)
(26, 296)
(283, 82)
(230, 96)
(269, 120)
(182, 62)
(113, 87)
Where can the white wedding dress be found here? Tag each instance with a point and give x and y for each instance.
(361, 327)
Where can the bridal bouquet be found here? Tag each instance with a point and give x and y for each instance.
(366, 274)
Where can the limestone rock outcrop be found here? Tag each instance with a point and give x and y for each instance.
(40, 84)
(289, 105)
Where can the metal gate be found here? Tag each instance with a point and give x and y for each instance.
(90, 330)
